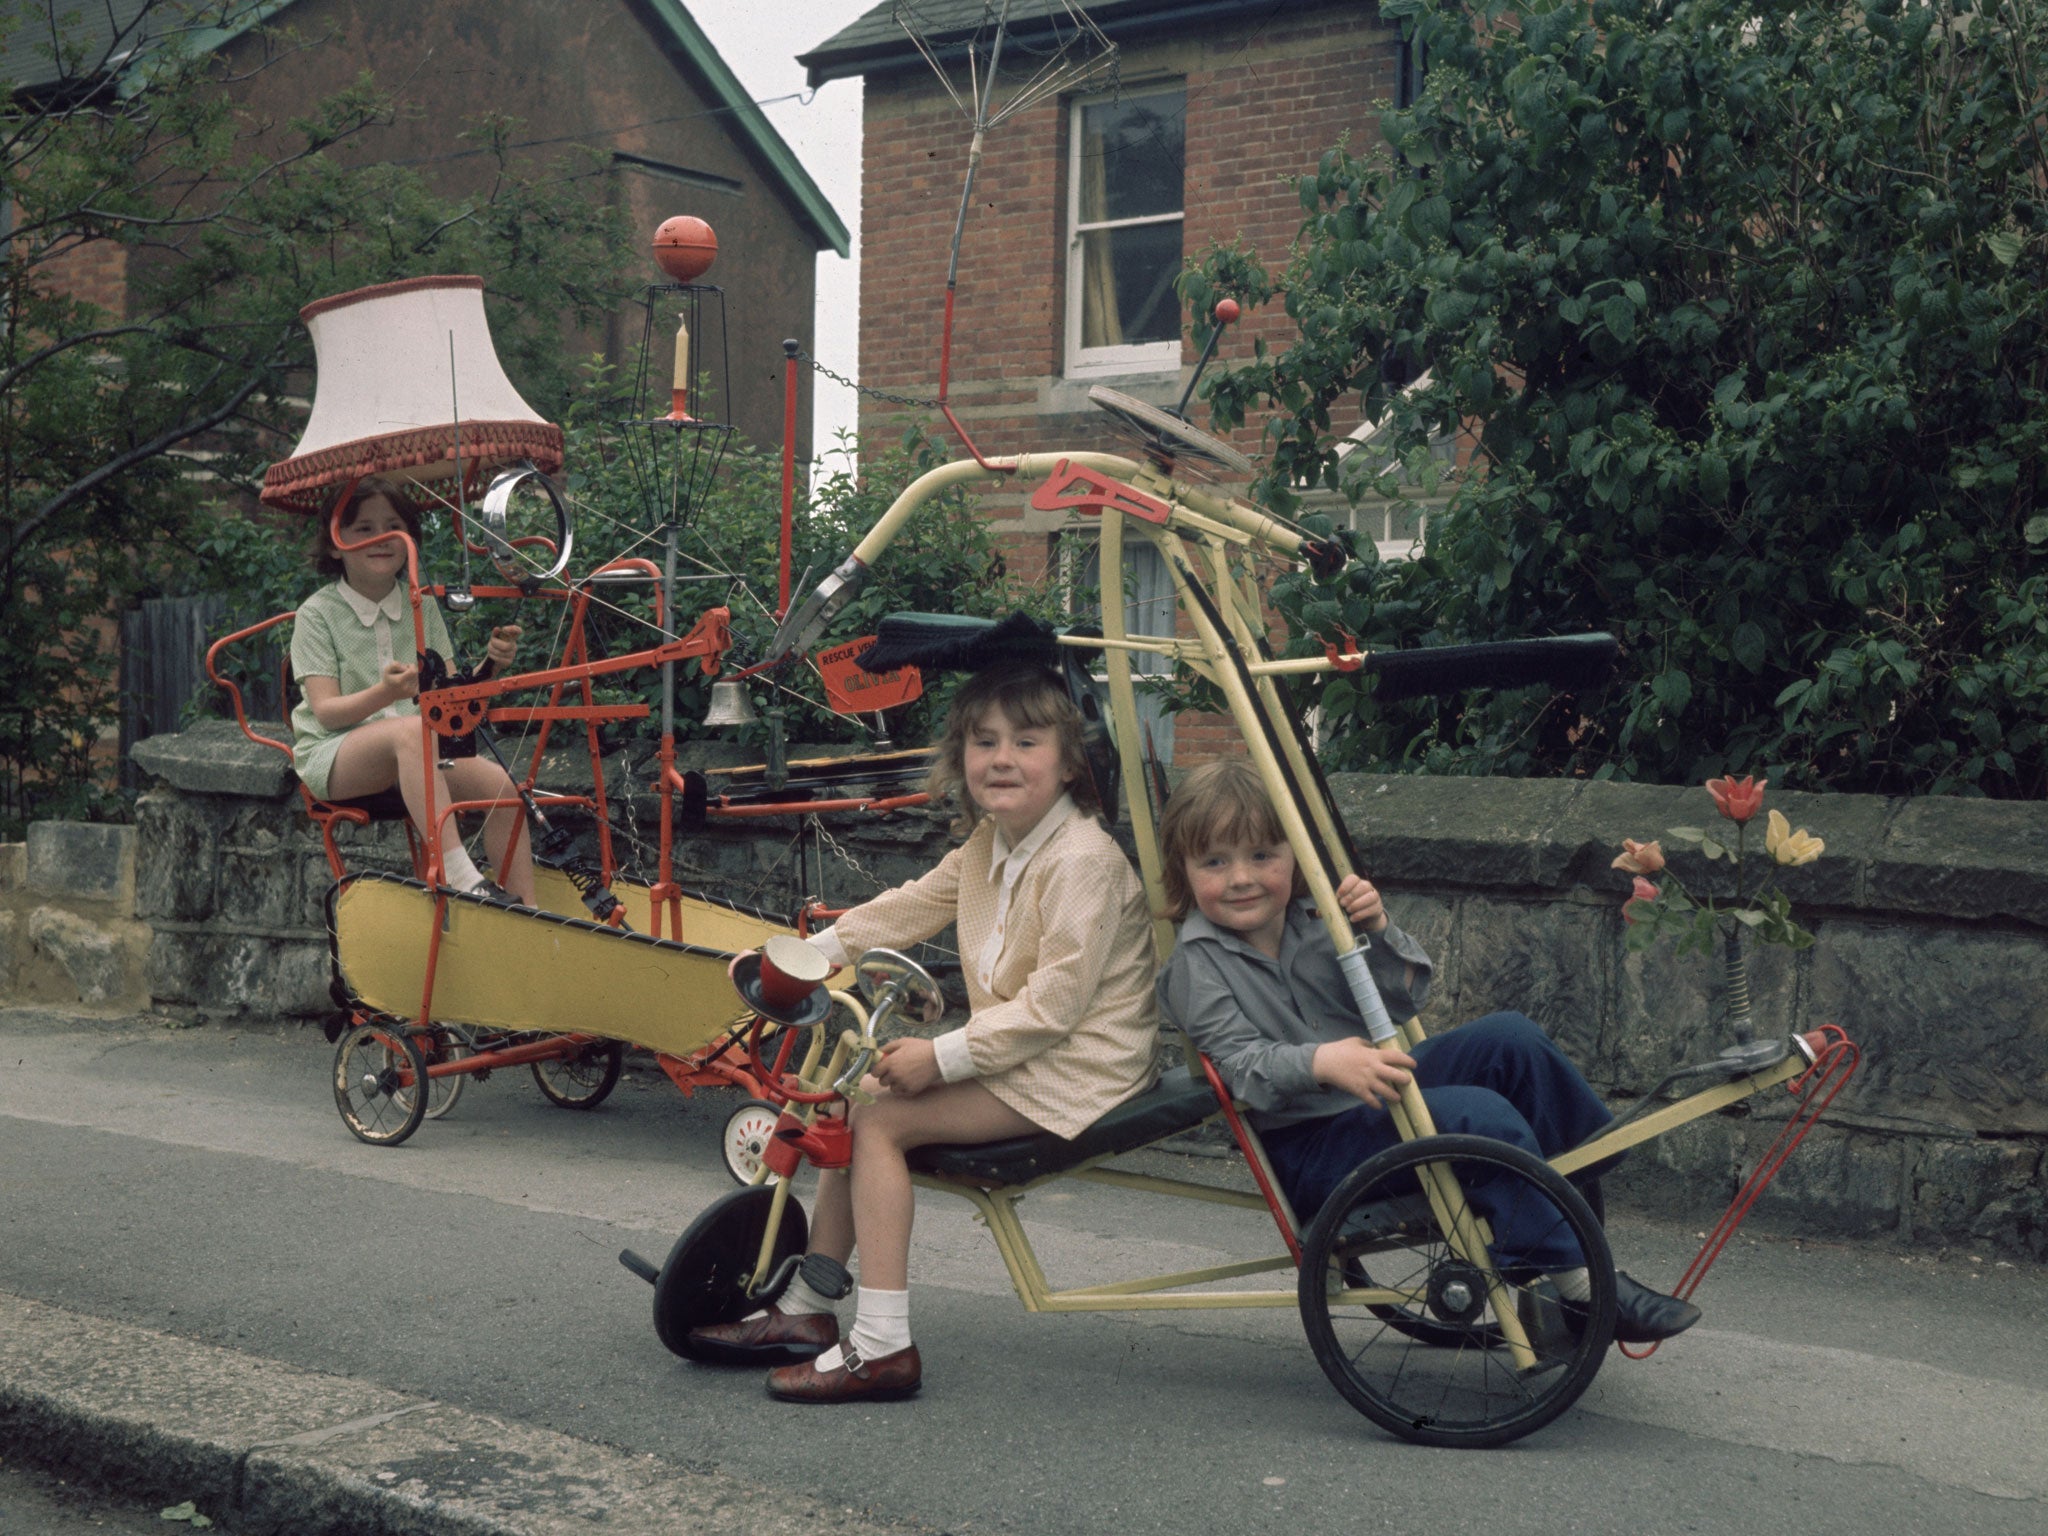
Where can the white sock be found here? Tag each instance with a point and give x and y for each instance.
(460, 869)
(881, 1322)
(1573, 1284)
(799, 1300)
(881, 1326)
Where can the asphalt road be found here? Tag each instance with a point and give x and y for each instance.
(199, 1182)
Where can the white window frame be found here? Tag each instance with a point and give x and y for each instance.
(1147, 616)
(1155, 357)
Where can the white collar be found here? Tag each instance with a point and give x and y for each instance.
(395, 606)
(1007, 863)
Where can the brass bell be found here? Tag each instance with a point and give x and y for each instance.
(730, 704)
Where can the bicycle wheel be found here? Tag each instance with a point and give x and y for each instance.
(377, 1070)
(444, 1042)
(583, 1080)
(746, 1133)
(707, 1274)
(1428, 1362)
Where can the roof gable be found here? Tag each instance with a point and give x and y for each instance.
(81, 45)
(875, 43)
(751, 125)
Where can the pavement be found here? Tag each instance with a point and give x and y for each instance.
(210, 1294)
(264, 1446)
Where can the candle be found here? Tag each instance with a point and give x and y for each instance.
(679, 389)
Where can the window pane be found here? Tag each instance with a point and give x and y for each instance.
(1127, 293)
(1131, 157)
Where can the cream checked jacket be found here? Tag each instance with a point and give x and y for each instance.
(1066, 1028)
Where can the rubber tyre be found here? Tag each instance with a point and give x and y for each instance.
(584, 1080)
(1426, 1376)
(376, 1070)
(746, 1133)
(706, 1275)
(445, 1042)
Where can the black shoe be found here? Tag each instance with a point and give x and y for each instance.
(498, 896)
(1644, 1316)
(1641, 1315)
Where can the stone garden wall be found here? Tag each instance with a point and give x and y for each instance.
(1931, 918)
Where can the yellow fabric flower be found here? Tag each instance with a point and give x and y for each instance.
(1789, 847)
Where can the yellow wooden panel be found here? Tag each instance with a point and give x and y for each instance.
(504, 969)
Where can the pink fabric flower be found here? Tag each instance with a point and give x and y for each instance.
(1639, 858)
(1644, 891)
(1737, 799)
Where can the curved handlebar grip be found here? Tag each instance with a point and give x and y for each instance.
(856, 1069)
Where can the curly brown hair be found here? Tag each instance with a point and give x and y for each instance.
(1028, 695)
(1216, 804)
(326, 558)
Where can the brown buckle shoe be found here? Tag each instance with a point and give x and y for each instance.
(775, 1338)
(892, 1376)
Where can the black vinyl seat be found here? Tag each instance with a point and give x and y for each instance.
(384, 805)
(1177, 1102)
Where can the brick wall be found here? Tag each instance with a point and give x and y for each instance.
(1265, 98)
(94, 271)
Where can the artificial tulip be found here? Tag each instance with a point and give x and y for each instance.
(1787, 846)
(1644, 891)
(1737, 799)
(1639, 858)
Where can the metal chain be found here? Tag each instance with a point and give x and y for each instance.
(845, 856)
(865, 389)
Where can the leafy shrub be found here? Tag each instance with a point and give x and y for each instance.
(1747, 308)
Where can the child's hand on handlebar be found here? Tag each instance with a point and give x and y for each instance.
(1361, 903)
(400, 680)
(908, 1066)
(1374, 1073)
(503, 645)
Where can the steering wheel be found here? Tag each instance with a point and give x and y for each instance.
(893, 983)
(1166, 438)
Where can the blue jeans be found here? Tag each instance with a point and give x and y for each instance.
(1499, 1076)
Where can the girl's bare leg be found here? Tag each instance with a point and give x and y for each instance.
(380, 753)
(872, 1203)
(476, 778)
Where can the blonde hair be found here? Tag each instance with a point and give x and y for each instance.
(1028, 695)
(1216, 804)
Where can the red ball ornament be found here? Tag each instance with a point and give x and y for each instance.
(1226, 311)
(685, 247)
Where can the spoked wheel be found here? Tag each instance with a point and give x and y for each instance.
(445, 1042)
(583, 1080)
(747, 1130)
(709, 1270)
(377, 1072)
(1418, 1347)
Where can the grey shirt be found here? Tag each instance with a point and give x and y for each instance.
(1260, 1020)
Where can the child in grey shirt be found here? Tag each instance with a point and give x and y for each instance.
(1255, 983)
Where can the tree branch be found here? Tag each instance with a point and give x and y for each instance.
(19, 536)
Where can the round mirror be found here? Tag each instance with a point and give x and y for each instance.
(522, 523)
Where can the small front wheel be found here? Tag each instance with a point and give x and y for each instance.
(1418, 1346)
(747, 1130)
(446, 1042)
(709, 1275)
(583, 1079)
(378, 1073)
